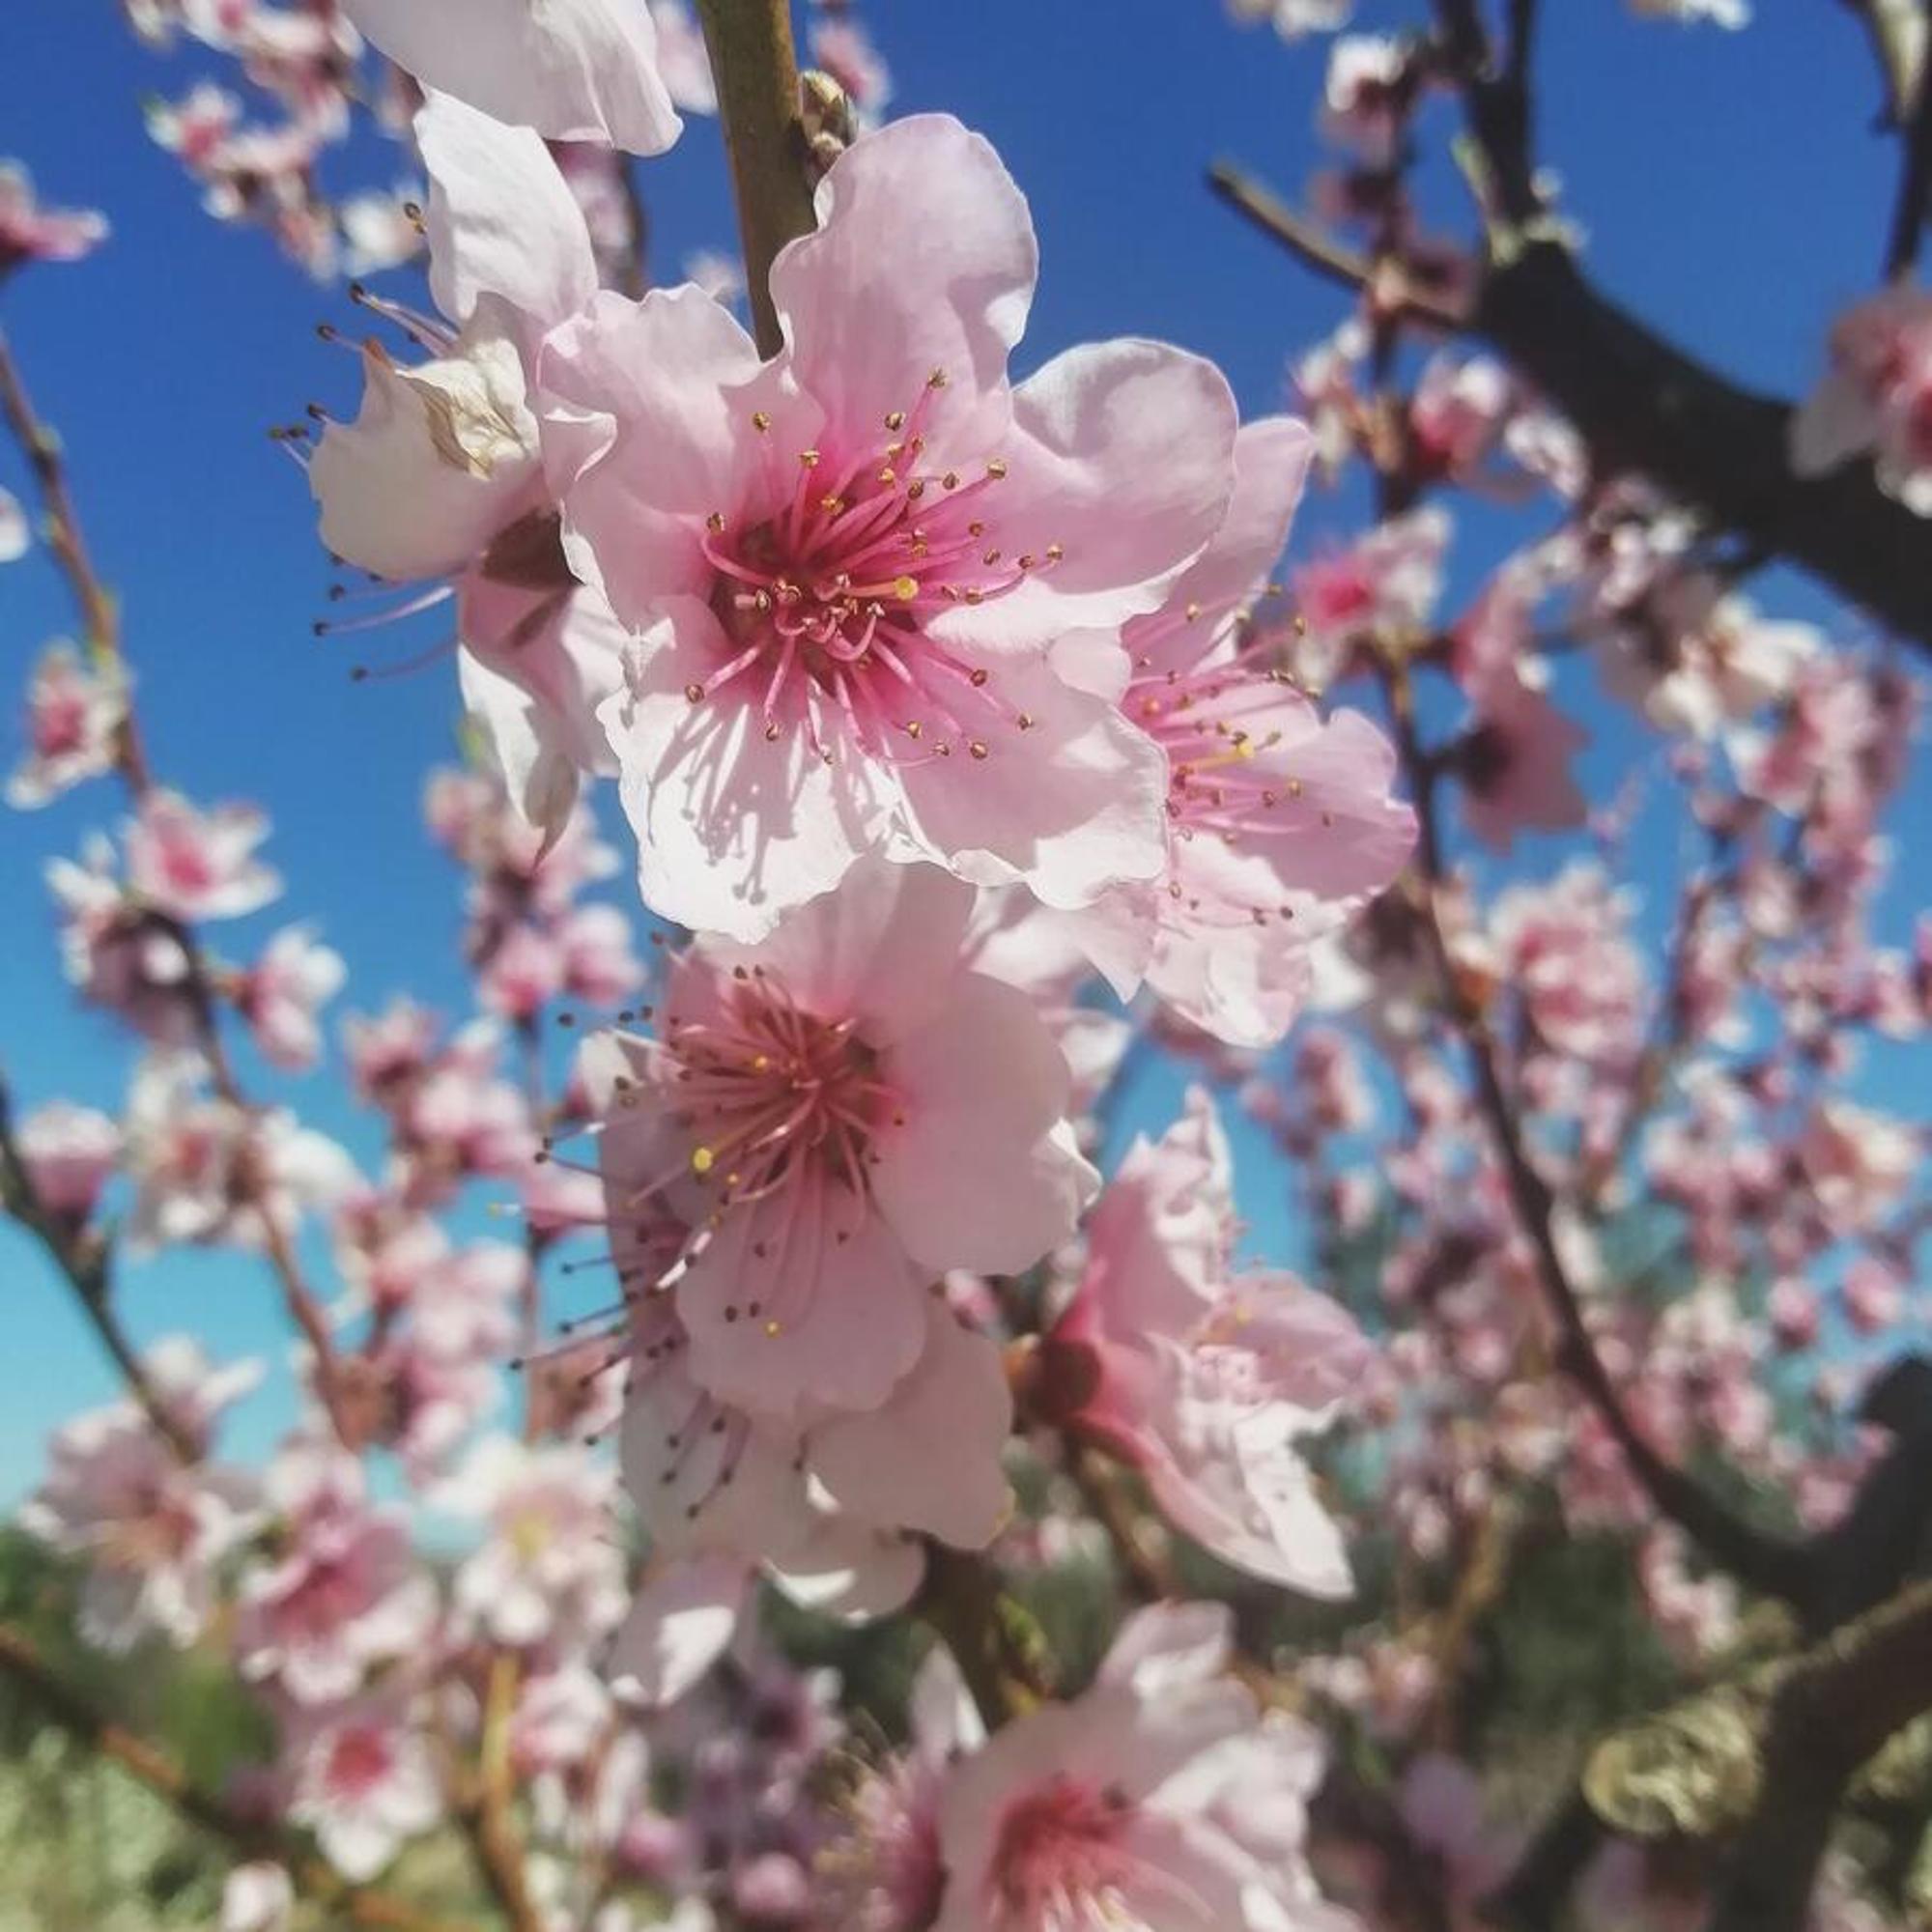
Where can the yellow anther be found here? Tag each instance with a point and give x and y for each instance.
(701, 1159)
(905, 588)
(760, 421)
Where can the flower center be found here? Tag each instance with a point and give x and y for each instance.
(772, 1093)
(827, 600)
(1058, 1847)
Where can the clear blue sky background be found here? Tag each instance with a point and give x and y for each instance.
(1731, 186)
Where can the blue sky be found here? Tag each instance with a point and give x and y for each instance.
(1732, 187)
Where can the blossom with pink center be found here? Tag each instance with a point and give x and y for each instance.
(1371, 79)
(847, 565)
(1457, 415)
(148, 1530)
(1279, 823)
(192, 865)
(207, 1171)
(1565, 950)
(547, 1564)
(824, 1511)
(280, 995)
(439, 477)
(884, 1873)
(1161, 1801)
(74, 713)
(348, 1594)
(31, 233)
(195, 127)
(69, 1153)
(1515, 756)
(1859, 1162)
(1202, 1381)
(465, 1302)
(1876, 396)
(572, 70)
(841, 1115)
(363, 1780)
(1389, 581)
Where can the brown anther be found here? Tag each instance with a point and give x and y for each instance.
(937, 380)
(760, 421)
(915, 489)
(696, 693)
(1054, 552)
(977, 746)
(807, 458)
(997, 467)
(895, 420)
(1025, 721)
(980, 676)
(715, 523)
(915, 729)
(951, 480)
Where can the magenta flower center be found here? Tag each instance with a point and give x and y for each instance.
(359, 1759)
(827, 600)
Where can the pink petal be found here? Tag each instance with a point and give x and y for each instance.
(924, 259)
(930, 1458)
(573, 70)
(503, 220)
(970, 1180)
(680, 1625)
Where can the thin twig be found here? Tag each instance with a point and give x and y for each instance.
(1915, 182)
(250, 1838)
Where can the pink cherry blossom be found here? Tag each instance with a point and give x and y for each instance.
(362, 1780)
(439, 477)
(348, 1594)
(1368, 75)
(1201, 1379)
(148, 1530)
(198, 127)
(1161, 1802)
(74, 719)
(31, 233)
(1279, 823)
(1388, 581)
(845, 51)
(848, 564)
(546, 1562)
(194, 866)
(282, 993)
(1877, 396)
(16, 536)
(572, 70)
(1565, 950)
(682, 60)
(69, 1153)
(837, 1112)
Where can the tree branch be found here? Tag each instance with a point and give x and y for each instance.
(757, 71)
(251, 1839)
(1915, 183)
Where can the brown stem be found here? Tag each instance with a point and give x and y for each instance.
(962, 1602)
(85, 1263)
(1834, 1710)
(250, 1838)
(1773, 1564)
(1145, 1570)
(1915, 183)
(757, 72)
(67, 543)
(488, 1819)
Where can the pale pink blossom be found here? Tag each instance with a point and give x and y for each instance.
(1695, 660)
(1365, 100)
(439, 477)
(192, 865)
(1279, 823)
(1457, 415)
(1515, 758)
(1874, 1296)
(1389, 581)
(16, 535)
(1859, 1162)
(844, 1112)
(32, 233)
(363, 1780)
(148, 1530)
(1564, 949)
(257, 1897)
(844, 48)
(198, 127)
(380, 229)
(347, 1595)
(847, 565)
(1295, 18)
(1876, 396)
(599, 964)
(682, 60)
(74, 713)
(1203, 1380)
(1161, 1801)
(825, 1511)
(280, 995)
(547, 1564)
(523, 974)
(465, 1300)
(69, 1153)
(572, 70)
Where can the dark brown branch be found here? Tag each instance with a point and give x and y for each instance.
(249, 1837)
(962, 1602)
(1915, 182)
(757, 71)
(1775, 1565)
(1834, 1710)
